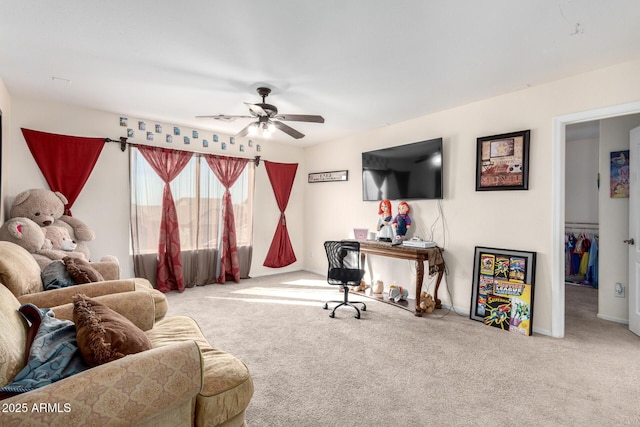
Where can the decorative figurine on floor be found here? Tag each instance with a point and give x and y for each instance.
(385, 232)
(402, 221)
(379, 287)
(398, 293)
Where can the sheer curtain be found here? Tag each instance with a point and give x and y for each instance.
(198, 196)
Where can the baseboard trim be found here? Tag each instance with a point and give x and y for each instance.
(613, 319)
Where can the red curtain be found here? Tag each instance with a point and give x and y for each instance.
(281, 176)
(65, 161)
(168, 164)
(227, 170)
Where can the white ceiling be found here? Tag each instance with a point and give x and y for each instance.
(362, 64)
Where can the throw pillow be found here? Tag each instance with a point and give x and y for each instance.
(55, 276)
(104, 335)
(81, 271)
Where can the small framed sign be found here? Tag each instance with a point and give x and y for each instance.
(329, 176)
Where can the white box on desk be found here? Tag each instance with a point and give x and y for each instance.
(419, 244)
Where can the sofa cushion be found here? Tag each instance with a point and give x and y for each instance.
(19, 271)
(103, 334)
(81, 271)
(13, 339)
(227, 388)
(55, 276)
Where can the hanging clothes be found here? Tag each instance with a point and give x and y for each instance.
(581, 258)
(592, 269)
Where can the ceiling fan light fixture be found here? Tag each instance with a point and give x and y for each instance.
(253, 129)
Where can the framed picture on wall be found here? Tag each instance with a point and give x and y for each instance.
(503, 288)
(502, 162)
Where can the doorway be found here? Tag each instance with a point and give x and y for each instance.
(558, 206)
(581, 232)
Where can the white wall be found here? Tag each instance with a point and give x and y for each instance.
(104, 201)
(581, 176)
(614, 227)
(502, 219)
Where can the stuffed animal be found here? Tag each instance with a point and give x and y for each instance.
(60, 238)
(427, 304)
(361, 287)
(45, 207)
(30, 236)
(398, 293)
(379, 287)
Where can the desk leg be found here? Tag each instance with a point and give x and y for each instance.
(419, 278)
(435, 296)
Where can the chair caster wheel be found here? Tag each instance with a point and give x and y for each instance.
(364, 308)
(332, 315)
(357, 316)
(326, 306)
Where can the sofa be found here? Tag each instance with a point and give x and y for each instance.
(21, 274)
(182, 380)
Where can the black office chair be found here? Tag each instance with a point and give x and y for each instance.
(344, 270)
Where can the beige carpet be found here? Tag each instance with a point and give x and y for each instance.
(391, 368)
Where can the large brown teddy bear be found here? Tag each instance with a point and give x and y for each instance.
(45, 207)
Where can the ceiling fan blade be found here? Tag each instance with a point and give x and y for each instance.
(245, 131)
(288, 130)
(224, 117)
(301, 118)
(256, 109)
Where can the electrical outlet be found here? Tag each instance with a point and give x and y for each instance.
(619, 290)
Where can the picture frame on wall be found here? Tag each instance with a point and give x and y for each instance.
(503, 288)
(502, 161)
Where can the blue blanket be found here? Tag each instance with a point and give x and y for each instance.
(53, 355)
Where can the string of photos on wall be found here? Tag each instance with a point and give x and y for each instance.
(176, 133)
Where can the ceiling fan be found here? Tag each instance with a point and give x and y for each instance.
(268, 118)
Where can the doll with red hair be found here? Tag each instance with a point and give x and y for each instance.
(402, 221)
(385, 232)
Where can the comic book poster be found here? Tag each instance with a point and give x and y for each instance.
(501, 268)
(517, 269)
(498, 311)
(486, 287)
(519, 295)
(503, 289)
(486, 264)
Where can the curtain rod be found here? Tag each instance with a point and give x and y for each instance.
(123, 146)
(581, 223)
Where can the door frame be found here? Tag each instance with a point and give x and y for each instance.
(558, 201)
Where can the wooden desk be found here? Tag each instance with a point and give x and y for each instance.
(432, 255)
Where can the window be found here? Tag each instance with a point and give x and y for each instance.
(197, 195)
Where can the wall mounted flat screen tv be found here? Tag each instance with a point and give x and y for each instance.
(404, 172)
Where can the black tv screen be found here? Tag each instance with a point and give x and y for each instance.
(404, 172)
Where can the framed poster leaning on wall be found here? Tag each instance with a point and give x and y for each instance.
(503, 288)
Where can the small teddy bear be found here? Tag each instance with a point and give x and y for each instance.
(378, 287)
(361, 287)
(60, 238)
(427, 304)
